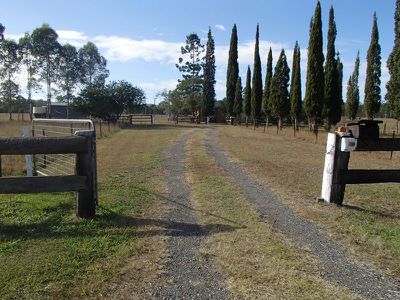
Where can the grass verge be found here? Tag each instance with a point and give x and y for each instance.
(46, 252)
(368, 224)
(257, 262)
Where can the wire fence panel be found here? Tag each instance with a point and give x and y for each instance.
(57, 164)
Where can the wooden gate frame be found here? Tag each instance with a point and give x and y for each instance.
(84, 182)
(337, 162)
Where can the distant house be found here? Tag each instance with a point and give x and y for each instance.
(57, 111)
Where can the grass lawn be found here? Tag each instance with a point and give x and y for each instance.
(369, 223)
(46, 252)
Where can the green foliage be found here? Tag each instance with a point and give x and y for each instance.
(256, 90)
(313, 101)
(393, 64)
(46, 50)
(69, 72)
(295, 84)
(247, 94)
(267, 87)
(109, 101)
(353, 92)
(332, 98)
(2, 28)
(190, 65)
(238, 103)
(372, 99)
(209, 77)
(233, 70)
(93, 65)
(279, 98)
(11, 60)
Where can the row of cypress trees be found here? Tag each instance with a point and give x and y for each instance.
(323, 96)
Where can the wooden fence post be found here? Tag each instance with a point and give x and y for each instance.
(85, 201)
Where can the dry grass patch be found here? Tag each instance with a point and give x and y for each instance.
(292, 168)
(257, 262)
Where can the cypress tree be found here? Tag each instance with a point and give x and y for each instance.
(267, 87)
(372, 101)
(393, 64)
(238, 104)
(353, 92)
(332, 105)
(256, 91)
(295, 85)
(209, 77)
(313, 101)
(247, 95)
(233, 70)
(338, 116)
(279, 98)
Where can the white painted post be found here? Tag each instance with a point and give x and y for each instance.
(327, 177)
(28, 158)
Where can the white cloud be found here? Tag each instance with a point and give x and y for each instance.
(220, 27)
(75, 38)
(124, 49)
(160, 85)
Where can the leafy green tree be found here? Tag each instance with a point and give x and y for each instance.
(93, 66)
(69, 72)
(46, 50)
(233, 70)
(209, 77)
(267, 87)
(11, 61)
(109, 101)
(295, 85)
(31, 67)
(339, 102)
(279, 98)
(238, 104)
(332, 103)
(372, 101)
(393, 64)
(313, 101)
(353, 91)
(247, 95)
(256, 90)
(190, 65)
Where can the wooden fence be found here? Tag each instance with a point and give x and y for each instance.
(84, 182)
(336, 172)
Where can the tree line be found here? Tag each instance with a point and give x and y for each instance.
(74, 76)
(281, 96)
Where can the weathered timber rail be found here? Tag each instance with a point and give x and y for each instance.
(83, 182)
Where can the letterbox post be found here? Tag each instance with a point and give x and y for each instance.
(340, 166)
(85, 202)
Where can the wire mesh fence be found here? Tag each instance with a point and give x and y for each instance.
(57, 164)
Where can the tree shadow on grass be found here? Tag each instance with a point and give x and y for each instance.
(59, 224)
(372, 212)
(163, 126)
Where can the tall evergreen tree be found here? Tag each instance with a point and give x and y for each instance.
(353, 92)
(190, 64)
(338, 115)
(372, 101)
(247, 95)
(209, 77)
(233, 70)
(295, 85)
(267, 87)
(256, 91)
(313, 101)
(238, 104)
(393, 64)
(332, 105)
(279, 98)
(2, 28)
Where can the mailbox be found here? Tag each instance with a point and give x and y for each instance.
(364, 129)
(348, 144)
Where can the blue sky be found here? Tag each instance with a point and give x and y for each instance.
(141, 39)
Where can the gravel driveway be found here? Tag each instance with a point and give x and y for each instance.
(188, 275)
(336, 264)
